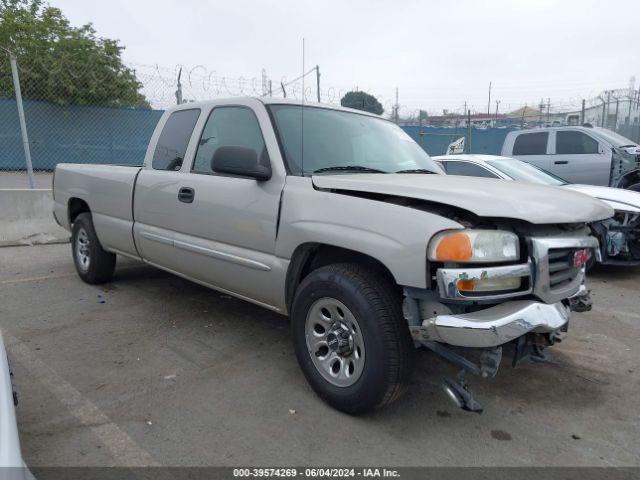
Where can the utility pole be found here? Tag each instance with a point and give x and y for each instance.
(607, 114)
(270, 89)
(179, 89)
(489, 102)
(468, 142)
(264, 82)
(541, 110)
(548, 110)
(615, 121)
(582, 112)
(604, 106)
(497, 104)
(396, 108)
(318, 81)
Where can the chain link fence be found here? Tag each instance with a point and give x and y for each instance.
(108, 118)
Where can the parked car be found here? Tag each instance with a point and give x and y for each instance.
(12, 466)
(619, 236)
(582, 155)
(346, 225)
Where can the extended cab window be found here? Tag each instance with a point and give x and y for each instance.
(531, 144)
(572, 142)
(229, 126)
(467, 169)
(173, 140)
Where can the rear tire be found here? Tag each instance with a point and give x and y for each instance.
(369, 369)
(93, 264)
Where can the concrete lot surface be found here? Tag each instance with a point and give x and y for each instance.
(154, 370)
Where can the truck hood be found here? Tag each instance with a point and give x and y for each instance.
(485, 197)
(617, 198)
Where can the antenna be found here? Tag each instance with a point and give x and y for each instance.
(302, 117)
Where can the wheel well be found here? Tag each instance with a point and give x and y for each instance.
(632, 178)
(311, 256)
(76, 207)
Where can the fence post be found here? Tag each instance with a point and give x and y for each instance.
(23, 123)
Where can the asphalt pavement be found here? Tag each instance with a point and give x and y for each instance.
(151, 369)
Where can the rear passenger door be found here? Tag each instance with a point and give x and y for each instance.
(533, 147)
(578, 159)
(157, 186)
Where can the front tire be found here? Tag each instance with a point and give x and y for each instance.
(350, 337)
(93, 264)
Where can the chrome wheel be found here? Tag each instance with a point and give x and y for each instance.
(83, 253)
(335, 342)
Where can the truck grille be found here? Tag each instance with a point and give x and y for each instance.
(556, 277)
(562, 272)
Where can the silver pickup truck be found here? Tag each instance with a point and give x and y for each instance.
(339, 220)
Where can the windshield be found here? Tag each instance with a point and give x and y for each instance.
(338, 139)
(525, 172)
(614, 138)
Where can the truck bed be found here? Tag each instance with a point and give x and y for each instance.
(108, 192)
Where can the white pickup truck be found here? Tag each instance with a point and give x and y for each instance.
(581, 155)
(338, 219)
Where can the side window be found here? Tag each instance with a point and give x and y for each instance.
(173, 140)
(229, 126)
(467, 169)
(568, 142)
(531, 144)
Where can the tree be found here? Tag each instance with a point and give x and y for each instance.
(362, 101)
(61, 63)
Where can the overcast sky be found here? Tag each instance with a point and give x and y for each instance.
(438, 53)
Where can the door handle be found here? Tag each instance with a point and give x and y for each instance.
(186, 194)
(561, 162)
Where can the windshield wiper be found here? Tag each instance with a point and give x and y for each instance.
(416, 170)
(347, 168)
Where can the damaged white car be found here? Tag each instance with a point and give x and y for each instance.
(619, 236)
(12, 466)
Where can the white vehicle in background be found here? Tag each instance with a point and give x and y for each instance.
(585, 155)
(12, 466)
(619, 236)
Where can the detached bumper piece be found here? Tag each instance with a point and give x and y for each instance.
(531, 324)
(493, 326)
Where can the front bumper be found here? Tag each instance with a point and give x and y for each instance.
(493, 326)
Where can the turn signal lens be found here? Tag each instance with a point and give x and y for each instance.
(474, 246)
(455, 247)
(466, 285)
(488, 284)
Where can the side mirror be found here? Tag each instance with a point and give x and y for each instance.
(241, 161)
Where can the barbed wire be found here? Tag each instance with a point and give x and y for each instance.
(158, 85)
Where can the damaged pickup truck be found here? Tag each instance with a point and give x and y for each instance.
(338, 219)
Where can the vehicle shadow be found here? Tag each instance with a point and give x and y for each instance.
(562, 381)
(613, 272)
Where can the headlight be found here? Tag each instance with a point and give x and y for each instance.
(474, 246)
